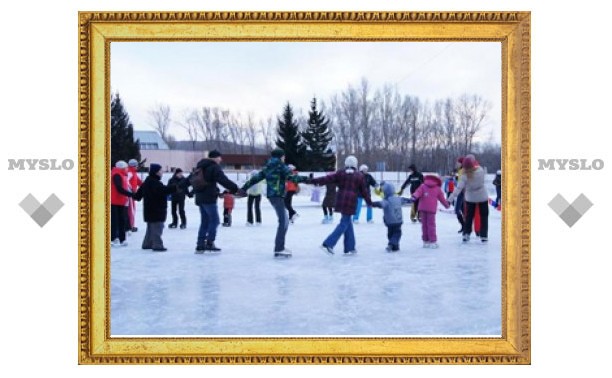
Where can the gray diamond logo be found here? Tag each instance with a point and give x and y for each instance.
(570, 213)
(41, 213)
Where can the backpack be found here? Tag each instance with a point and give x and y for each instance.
(197, 181)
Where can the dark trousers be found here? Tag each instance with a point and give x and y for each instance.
(459, 208)
(152, 238)
(118, 222)
(328, 211)
(227, 217)
(394, 234)
(289, 205)
(498, 192)
(254, 201)
(180, 204)
(483, 209)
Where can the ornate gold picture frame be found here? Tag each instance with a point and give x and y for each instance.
(98, 29)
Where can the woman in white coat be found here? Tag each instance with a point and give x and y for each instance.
(473, 180)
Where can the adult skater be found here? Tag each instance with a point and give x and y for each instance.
(178, 198)
(351, 183)
(254, 201)
(204, 181)
(415, 179)
(134, 183)
(276, 173)
(329, 201)
(472, 180)
(155, 207)
(370, 183)
(119, 203)
(292, 188)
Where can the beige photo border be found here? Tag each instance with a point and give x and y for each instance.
(98, 29)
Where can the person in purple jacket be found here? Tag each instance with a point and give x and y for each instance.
(351, 183)
(428, 195)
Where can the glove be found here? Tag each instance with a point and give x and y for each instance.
(400, 192)
(241, 193)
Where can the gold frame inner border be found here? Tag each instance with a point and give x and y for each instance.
(98, 29)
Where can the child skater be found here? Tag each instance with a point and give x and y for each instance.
(329, 201)
(392, 215)
(428, 194)
(228, 206)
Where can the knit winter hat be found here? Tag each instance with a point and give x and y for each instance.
(121, 164)
(469, 162)
(278, 153)
(178, 170)
(292, 167)
(133, 163)
(363, 168)
(412, 167)
(154, 168)
(351, 162)
(214, 154)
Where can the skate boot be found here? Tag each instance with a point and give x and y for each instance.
(327, 249)
(210, 246)
(284, 253)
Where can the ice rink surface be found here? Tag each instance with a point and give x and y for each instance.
(244, 291)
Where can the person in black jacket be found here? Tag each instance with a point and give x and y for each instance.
(206, 199)
(415, 179)
(178, 198)
(370, 182)
(155, 194)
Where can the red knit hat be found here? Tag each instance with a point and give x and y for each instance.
(469, 162)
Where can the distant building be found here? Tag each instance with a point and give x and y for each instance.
(155, 150)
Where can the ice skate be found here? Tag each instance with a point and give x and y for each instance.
(466, 238)
(350, 253)
(426, 245)
(249, 224)
(183, 226)
(327, 249)
(433, 245)
(123, 243)
(484, 239)
(115, 243)
(160, 249)
(286, 253)
(210, 246)
(172, 225)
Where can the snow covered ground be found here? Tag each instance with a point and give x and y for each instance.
(454, 290)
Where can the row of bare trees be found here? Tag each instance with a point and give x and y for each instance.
(377, 125)
(385, 126)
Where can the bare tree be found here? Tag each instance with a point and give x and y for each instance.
(160, 120)
(471, 113)
(191, 126)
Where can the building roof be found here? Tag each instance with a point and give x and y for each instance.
(150, 140)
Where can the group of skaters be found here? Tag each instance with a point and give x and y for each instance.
(346, 190)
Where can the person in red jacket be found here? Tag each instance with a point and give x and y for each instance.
(134, 183)
(292, 189)
(228, 206)
(119, 202)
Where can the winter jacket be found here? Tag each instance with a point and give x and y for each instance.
(276, 173)
(391, 205)
(155, 195)
(119, 187)
(330, 195)
(133, 180)
(497, 181)
(473, 183)
(449, 185)
(256, 189)
(228, 201)
(350, 185)
(370, 182)
(415, 179)
(291, 186)
(181, 184)
(213, 175)
(429, 194)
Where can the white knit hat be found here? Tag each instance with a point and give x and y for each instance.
(121, 164)
(133, 163)
(363, 168)
(351, 161)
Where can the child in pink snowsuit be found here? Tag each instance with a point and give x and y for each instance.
(428, 195)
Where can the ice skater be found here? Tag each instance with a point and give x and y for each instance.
(292, 188)
(392, 215)
(329, 201)
(228, 206)
(428, 195)
(497, 181)
(178, 198)
(155, 194)
(254, 201)
(472, 180)
(134, 183)
(415, 179)
(370, 182)
(351, 183)
(119, 203)
(276, 173)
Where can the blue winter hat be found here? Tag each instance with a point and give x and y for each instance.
(277, 153)
(154, 168)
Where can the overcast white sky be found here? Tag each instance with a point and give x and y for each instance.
(260, 77)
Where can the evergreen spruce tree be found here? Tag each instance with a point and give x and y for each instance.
(289, 139)
(123, 145)
(317, 137)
